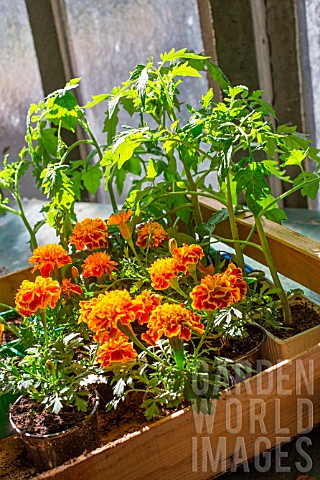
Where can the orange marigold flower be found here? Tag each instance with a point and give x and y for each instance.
(219, 290)
(162, 271)
(116, 349)
(1, 331)
(47, 257)
(37, 295)
(68, 288)
(121, 219)
(90, 233)
(152, 233)
(97, 264)
(149, 301)
(102, 313)
(172, 320)
(187, 255)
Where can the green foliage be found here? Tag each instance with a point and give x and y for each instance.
(55, 374)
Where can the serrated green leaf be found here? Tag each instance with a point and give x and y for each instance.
(174, 55)
(96, 99)
(152, 170)
(296, 157)
(120, 177)
(141, 85)
(49, 140)
(276, 214)
(184, 70)
(124, 147)
(133, 165)
(207, 98)
(57, 405)
(110, 124)
(152, 410)
(81, 404)
(217, 74)
(91, 178)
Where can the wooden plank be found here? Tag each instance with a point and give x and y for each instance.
(294, 255)
(10, 283)
(258, 414)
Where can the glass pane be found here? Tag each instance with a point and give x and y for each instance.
(110, 37)
(20, 82)
(313, 38)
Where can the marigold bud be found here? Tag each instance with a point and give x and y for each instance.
(74, 272)
(125, 231)
(172, 244)
(50, 366)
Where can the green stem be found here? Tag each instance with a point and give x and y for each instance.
(172, 113)
(86, 126)
(273, 271)
(176, 344)
(233, 225)
(45, 328)
(74, 145)
(194, 198)
(131, 245)
(286, 194)
(33, 240)
(228, 240)
(247, 241)
(204, 336)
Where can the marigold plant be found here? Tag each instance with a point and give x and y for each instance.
(90, 234)
(47, 257)
(149, 301)
(151, 234)
(162, 271)
(98, 264)
(68, 288)
(219, 290)
(187, 255)
(37, 295)
(115, 349)
(171, 320)
(104, 313)
(121, 219)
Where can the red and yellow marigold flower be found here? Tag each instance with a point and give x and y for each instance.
(172, 320)
(187, 255)
(102, 313)
(121, 219)
(90, 233)
(219, 290)
(1, 331)
(97, 264)
(149, 301)
(116, 349)
(47, 257)
(162, 271)
(152, 234)
(68, 288)
(37, 295)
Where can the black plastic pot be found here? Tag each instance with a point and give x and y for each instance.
(49, 451)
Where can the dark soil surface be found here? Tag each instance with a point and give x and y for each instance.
(304, 317)
(236, 348)
(29, 416)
